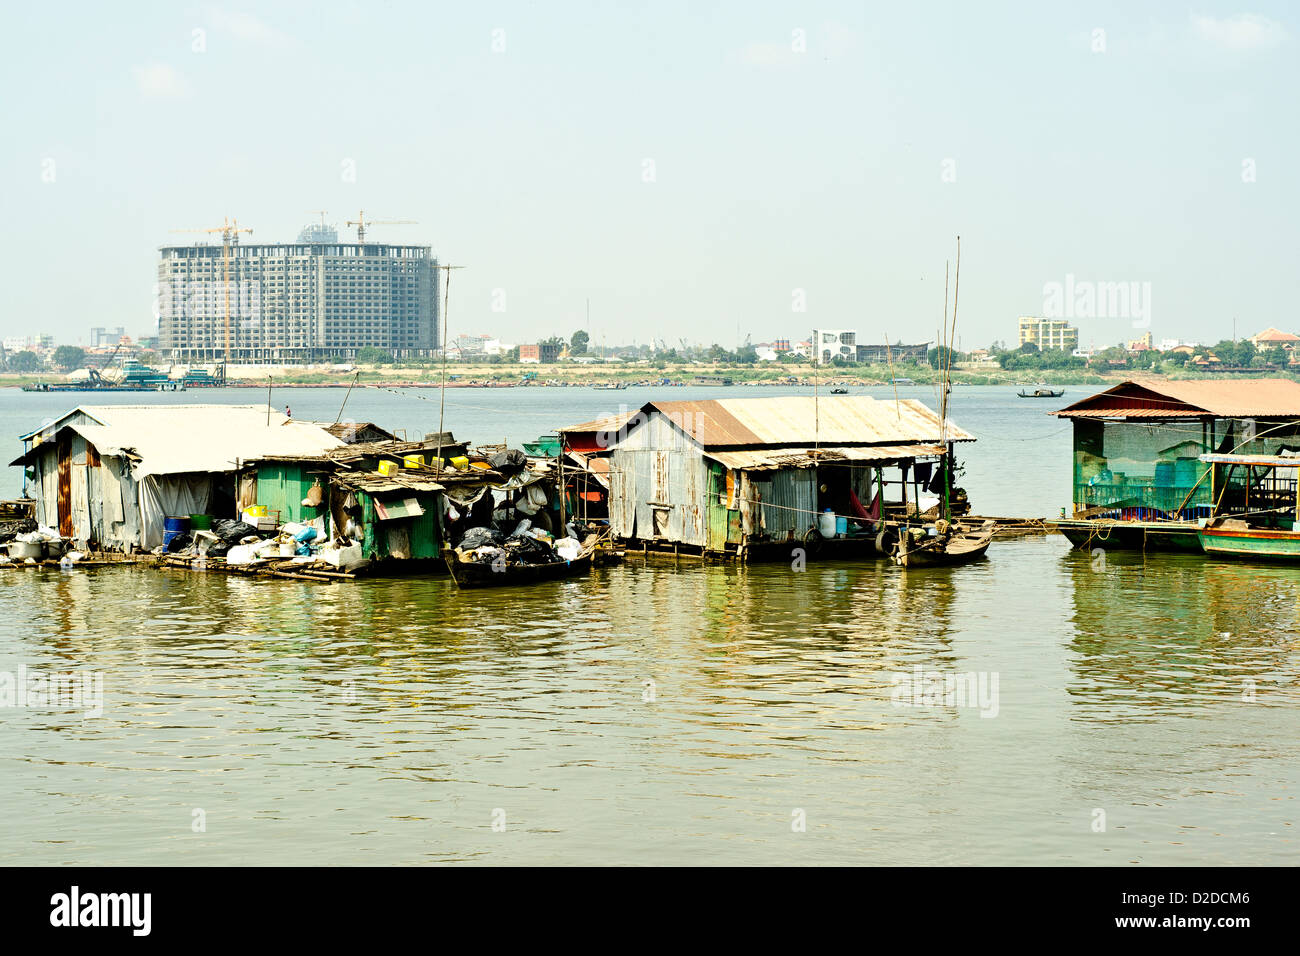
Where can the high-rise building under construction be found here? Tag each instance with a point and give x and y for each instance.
(317, 299)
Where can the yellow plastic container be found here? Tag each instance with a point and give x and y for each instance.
(460, 462)
(412, 461)
(257, 511)
(388, 468)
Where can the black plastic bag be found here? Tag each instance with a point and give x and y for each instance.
(480, 538)
(509, 462)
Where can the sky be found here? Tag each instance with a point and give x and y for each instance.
(706, 171)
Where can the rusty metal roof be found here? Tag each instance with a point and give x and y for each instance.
(610, 423)
(771, 459)
(1217, 398)
(803, 420)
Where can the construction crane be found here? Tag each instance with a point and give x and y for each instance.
(361, 222)
(230, 231)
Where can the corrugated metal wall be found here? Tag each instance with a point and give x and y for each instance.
(659, 466)
(787, 503)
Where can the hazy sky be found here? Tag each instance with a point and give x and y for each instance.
(687, 166)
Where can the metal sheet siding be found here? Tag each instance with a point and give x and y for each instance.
(789, 502)
(658, 465)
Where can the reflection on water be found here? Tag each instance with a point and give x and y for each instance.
(655, 714)
(1170, 634)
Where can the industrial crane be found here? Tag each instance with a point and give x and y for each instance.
(361, 222)
(230, 231)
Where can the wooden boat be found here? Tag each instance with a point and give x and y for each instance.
(839, 391)
(1226, 536)
(1236, 539)
(960, 547)
(610, 386)
(476, 574)
(952, 543)
(1043, 391)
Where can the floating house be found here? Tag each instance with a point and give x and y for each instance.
(107, 476)
(381, 494)
(1140, 480)
(747, 478)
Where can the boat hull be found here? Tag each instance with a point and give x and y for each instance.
(1252, 544)
(1129, 535)
(469, 574)
(961, 552)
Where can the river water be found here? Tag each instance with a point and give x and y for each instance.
(1136, 709)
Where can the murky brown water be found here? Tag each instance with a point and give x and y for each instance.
(396, 721)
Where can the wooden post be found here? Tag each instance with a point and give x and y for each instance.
(562, 490)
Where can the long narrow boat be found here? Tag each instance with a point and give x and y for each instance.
(1042, 392)
(475, 574)
(962, 547)
(1227, 536)
(1255, 544)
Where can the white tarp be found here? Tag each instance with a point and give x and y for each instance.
(176, 439)
(174, 495)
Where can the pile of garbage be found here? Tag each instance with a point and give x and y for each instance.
(240, 543)
(11, 529)
(525, 545)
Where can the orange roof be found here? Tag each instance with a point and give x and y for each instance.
(1248, 398)
(1274, 335)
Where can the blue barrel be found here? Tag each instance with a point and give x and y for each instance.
(174, 526)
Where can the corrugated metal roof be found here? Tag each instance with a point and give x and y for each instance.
(610, 423)
(804, 420)
(771, 459)
(1232, 398)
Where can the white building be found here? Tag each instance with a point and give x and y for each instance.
(830, 344)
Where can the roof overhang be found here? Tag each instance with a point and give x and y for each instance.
(775, 459)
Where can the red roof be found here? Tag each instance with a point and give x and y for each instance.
(1249, 398)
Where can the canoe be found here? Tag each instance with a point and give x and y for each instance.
(472, 574)
(1252, 544)
(958, 549)
(1042, 393)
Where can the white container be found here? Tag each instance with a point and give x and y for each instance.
(826, 523)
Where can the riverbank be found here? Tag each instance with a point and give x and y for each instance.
(500, 374)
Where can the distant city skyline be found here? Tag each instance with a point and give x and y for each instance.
(708, 173)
